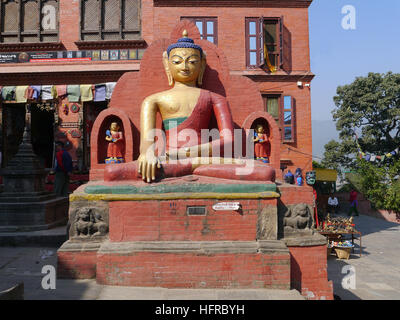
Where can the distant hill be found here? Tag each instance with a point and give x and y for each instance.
(322, 132)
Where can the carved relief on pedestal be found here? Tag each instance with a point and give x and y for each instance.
(298, 219)
(88, 223)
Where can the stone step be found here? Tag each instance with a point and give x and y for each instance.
(49, 238)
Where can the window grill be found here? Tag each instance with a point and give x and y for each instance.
(110, 20)
(29, 21)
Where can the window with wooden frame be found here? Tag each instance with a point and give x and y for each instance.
(288, 119)
(272, 104)
(267, 44)
(29, 21)
(110, 20)
(208, 27)
(283, 111)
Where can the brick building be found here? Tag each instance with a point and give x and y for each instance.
(93, 42)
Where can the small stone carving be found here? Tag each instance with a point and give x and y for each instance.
(297, 218)
(89, 223)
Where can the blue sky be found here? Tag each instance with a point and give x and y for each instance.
(338, 56)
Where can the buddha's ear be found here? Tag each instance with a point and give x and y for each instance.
(166, 67)
(203, 69)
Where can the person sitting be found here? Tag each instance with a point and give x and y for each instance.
(333, 205)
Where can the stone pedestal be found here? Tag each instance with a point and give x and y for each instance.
(134, 234)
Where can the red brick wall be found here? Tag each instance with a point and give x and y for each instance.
(231, 28)
(150, 269)
(168, 221)
(69, 16)
(296, 194)
(76, 265)
(309, 273)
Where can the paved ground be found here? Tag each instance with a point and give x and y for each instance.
(377, 271)
(377, 274)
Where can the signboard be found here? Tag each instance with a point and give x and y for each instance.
(71, 56)
(224, 206)
(326, 175)
(8, 57)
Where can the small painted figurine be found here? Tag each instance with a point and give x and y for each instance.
(115, 150)
(261, 144)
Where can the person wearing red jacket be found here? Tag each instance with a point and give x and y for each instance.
(63, 167)
(353, 203)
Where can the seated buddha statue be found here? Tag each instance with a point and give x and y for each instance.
(186, 110)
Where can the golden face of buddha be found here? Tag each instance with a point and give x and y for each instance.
(185, 65)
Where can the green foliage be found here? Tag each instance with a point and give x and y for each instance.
(338, 156)
(370, 107)
(346, 188)
(381, 185)
(317, 165)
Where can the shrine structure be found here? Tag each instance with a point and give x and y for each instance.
(154, 222)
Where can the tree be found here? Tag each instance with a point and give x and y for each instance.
(371, 106)
(368, 112)
(339, 155)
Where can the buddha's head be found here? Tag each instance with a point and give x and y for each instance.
(184, 62)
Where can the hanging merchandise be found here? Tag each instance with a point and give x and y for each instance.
(75, 133)
(86, 92)
(74, 92)
(373, 157)
(74, 108)
(110, 89)
(33, 92)
(61, 90)
(100, 92)
(66, 109)
(8, 93)
(47, 92)
(20, 94)
(46, 106)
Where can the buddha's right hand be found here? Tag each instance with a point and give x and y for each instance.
(147, 165)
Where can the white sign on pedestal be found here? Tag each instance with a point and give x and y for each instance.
(226, 206)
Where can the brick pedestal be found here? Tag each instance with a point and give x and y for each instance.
(205, 264)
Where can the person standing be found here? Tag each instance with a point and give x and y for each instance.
(353, 203)
(63, 168)
(333, 204)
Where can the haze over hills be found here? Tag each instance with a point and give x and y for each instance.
(322, 132)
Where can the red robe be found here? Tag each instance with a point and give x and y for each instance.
(116, 149)
(261, 150)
